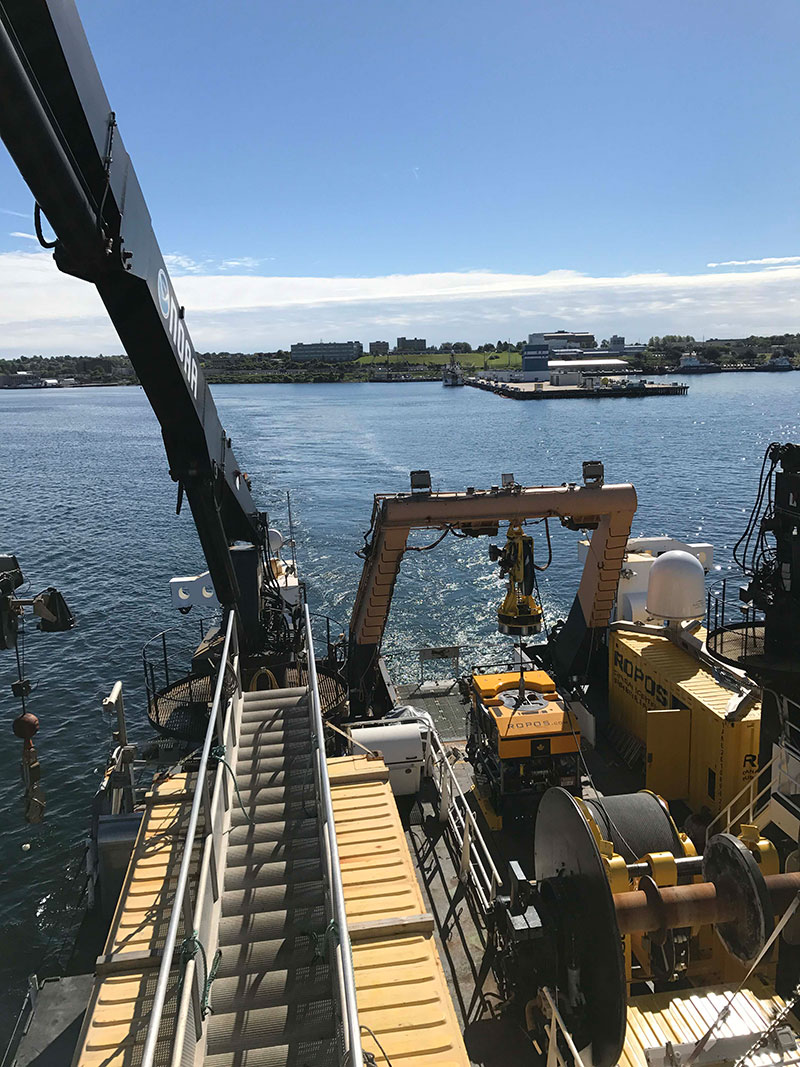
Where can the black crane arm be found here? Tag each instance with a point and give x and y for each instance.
(56, 122)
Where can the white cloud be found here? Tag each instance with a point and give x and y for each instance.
(243, 263)
(18, 214)
(184, 264)
(768, 261)
(44, 311)
(27, 236)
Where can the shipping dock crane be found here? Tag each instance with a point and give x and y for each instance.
(60, 130)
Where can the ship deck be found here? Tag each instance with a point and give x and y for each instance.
(442, 701)
(491, 1040)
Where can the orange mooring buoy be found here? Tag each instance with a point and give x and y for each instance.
(25, 727)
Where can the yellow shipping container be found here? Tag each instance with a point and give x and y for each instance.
(695, 754)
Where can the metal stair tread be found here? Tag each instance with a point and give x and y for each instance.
(289, 731)
(322, 1053)
(272, 897)
(254, 768)
(278, 953)
(272, 744)
(790, 801)
(269, 925)
(277, 703)
(270, 777)
(256, 694)
(295, 826)
(270, 719)
(256, 853)
(277, 987)
(284, 809)
(278, 1025)
(277, 873)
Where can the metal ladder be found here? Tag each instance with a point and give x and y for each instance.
(273, 993)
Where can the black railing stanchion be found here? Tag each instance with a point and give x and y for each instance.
(166, 663)
(154, 695)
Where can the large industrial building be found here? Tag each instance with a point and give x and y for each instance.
(565, 339)
(411, 344)
(329, 351)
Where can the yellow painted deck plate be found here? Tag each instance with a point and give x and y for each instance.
(400, 985)
(115, 1025)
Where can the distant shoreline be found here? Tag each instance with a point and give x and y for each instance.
(733, 368)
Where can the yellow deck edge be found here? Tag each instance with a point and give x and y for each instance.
(401, 988)
(115, 1023)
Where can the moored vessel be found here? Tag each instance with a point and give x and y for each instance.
(452, 373)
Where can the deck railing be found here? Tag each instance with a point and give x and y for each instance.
(476, 866)
(750, 800)
(345, 984)
(198, 916)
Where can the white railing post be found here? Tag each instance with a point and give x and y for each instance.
(493, 888)
(552, 1043)
(560, 1026)
(463, 868)
(444, 797)
(209, 833)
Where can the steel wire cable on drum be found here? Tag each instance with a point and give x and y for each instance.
(635, 823)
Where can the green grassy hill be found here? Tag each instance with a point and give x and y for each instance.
(468, 360)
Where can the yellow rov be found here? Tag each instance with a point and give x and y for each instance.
(521, 741)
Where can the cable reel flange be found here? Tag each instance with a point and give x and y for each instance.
(736, 876)
(571, 875)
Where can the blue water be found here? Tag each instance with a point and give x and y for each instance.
(87, 505)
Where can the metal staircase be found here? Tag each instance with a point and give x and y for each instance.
(273, 994)
(273, 985)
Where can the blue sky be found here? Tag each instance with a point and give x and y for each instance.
(552, 150)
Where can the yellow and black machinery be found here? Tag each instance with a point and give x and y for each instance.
(521, 736)
(620, 903)
(521, 739)
(519, 614)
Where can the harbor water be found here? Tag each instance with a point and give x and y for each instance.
(87, 505)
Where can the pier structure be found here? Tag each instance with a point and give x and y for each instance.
(546, 391)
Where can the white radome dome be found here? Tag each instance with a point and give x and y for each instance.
(275, 541)
(676, 588)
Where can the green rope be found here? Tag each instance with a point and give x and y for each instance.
(218, 753)
(189, 947)
(322, 939)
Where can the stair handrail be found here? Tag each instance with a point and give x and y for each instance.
(557, 1031)
(182, 903)
(728, 819)
(346, 983)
